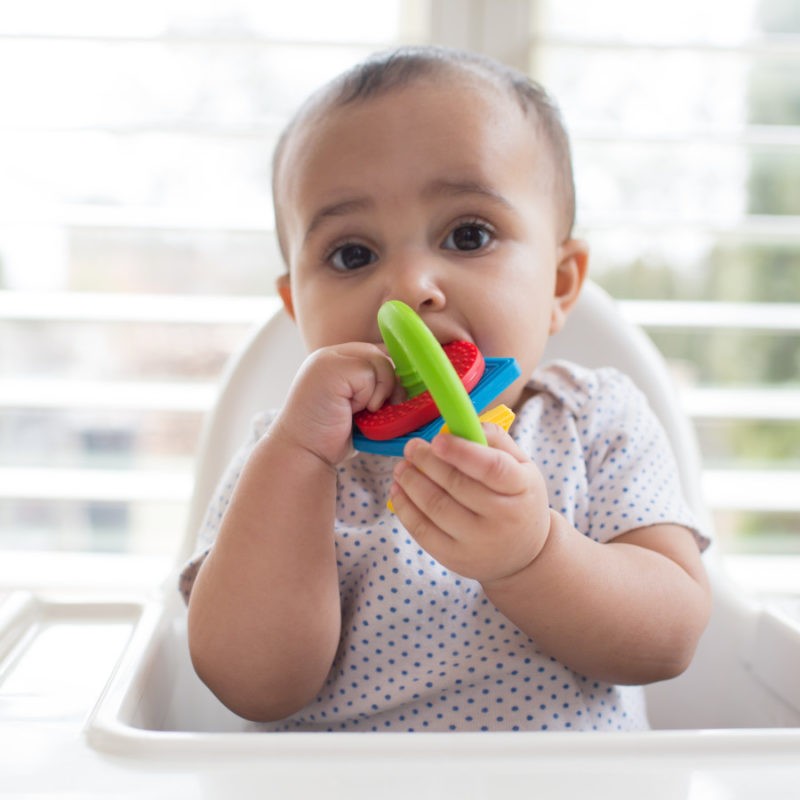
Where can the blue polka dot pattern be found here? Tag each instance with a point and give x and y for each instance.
(422, 648)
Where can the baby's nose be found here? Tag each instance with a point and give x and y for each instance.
(419, 285)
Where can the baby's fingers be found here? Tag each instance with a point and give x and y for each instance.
(370, 387)
(500, 467)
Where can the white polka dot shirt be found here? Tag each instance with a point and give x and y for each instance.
(422, 648)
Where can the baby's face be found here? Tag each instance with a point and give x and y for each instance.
(435, 194)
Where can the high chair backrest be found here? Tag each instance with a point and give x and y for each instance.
(595, 335)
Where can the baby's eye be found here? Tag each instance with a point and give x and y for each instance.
(471, 236)
(352, 256)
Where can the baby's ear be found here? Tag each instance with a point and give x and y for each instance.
(284, 287)
(573, 261)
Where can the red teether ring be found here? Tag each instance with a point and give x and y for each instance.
(398, 419)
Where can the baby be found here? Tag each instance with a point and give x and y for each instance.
(534, 584)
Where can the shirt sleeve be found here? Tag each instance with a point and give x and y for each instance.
(631, 470)
(220, 501)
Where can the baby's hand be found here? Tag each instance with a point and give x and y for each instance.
(480, 511)
(333, 384)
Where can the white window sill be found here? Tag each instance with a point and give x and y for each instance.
(83, 573)
(767, 575)
(92, 573)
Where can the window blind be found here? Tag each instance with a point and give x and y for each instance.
(685, 119)
(136, 246)
(136, 241)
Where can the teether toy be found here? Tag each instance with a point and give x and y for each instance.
(397, 419)
(445, 384)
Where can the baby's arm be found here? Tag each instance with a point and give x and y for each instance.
(630, 611)
(264, 613)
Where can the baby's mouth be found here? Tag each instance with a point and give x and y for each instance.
(398, 395)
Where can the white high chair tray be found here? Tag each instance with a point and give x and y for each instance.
(55, 656)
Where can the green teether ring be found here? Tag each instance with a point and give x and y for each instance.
(420, 364)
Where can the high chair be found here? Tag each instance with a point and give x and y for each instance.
(738, 703)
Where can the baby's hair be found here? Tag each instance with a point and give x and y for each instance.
(395, 69)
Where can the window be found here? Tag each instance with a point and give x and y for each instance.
(136, 242)
(685, 118)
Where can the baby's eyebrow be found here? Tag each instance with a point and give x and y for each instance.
(338, 209)
(455, 188)
(458, 187)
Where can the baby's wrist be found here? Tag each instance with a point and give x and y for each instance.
(508, 581)
(295, 449)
